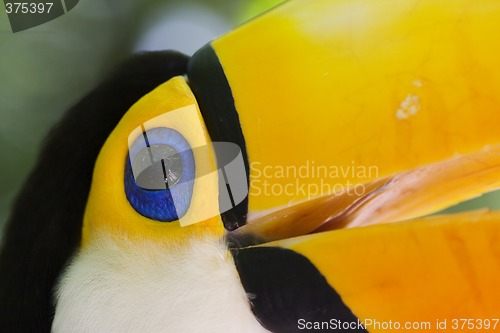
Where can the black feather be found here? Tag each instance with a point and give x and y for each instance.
(44, 228)
(286, 287)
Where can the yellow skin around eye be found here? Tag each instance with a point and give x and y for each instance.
(108, 210)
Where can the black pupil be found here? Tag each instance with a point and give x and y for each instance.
(160, 165)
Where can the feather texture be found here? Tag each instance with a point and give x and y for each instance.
(144, 288)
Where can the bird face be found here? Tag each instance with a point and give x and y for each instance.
(331, 132)
(266, 157)
(147, 181)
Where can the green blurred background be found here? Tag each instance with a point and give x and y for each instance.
(46, 69)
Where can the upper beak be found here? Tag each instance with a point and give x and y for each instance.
(356, 112)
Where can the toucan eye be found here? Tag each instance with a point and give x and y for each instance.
(159, 174)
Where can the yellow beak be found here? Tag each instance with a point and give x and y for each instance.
(392, 102)
(369, 112)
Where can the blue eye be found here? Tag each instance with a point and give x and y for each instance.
(159, 174)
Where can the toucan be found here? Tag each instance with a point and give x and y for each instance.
(282, 179)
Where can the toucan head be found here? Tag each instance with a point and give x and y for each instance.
(310, 118)
(292, 131)
(319, 117)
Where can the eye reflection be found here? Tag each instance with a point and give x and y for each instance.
(162, 167)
